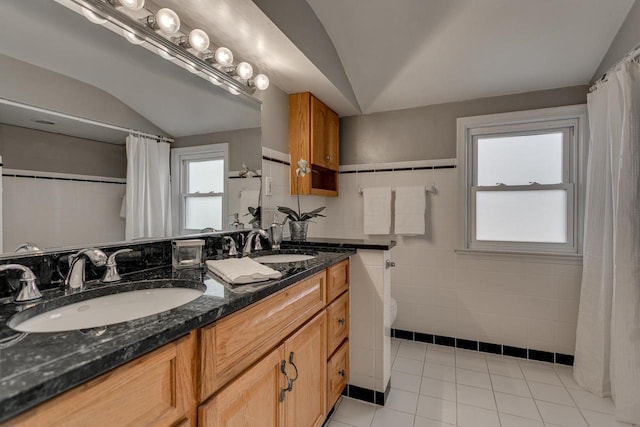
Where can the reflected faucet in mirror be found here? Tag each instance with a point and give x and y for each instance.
(27, 247)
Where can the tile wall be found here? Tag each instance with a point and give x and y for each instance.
(520, 302)
(79, 211)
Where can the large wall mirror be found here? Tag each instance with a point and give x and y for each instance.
(70, 92)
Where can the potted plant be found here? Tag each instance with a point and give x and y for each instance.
(298, 221)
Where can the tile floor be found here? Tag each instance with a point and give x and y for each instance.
(436, 386)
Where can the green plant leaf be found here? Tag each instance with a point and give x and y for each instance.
(290, 213)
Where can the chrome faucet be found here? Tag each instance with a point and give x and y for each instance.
(28, 289)
(74, 281)
(111, 274)
(251, 237)
(27, 247)
(233, 250)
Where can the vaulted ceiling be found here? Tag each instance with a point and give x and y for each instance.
(406, 53)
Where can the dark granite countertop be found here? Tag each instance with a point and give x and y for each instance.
(35, 367)
(382, 245)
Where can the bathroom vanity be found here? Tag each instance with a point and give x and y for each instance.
(275, 351)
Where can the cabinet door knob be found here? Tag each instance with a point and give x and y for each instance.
(327, 157)
(341, 372)
(342, 320)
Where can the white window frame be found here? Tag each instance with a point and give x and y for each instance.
(572, 121)
(179, 180)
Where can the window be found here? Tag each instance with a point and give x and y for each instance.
(199, 183)
(520, 180)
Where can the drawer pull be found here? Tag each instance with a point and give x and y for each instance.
(283, 369)
(342, 320)
(341, 372)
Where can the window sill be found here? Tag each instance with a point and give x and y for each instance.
(556, 258)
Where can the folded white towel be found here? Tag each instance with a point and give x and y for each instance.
(409, 213)
(242, 270)
(377, 210)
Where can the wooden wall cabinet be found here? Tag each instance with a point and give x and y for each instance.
(314, 136)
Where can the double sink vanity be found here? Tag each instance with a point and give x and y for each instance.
(182, 347)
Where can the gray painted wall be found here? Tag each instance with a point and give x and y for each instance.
(36, 150)
(298, 21)
(40, 87)
(275, 119)
(244, 146)
(627, 38)
(429, 132)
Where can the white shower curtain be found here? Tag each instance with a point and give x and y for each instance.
(607, 357)
(148, 194)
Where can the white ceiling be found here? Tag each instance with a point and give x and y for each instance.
(407, 53)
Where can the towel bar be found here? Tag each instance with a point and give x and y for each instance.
(428, 190)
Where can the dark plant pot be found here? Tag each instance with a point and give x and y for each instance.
(298, 230)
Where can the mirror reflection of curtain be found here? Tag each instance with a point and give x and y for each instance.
(607, 357)
(148, 195)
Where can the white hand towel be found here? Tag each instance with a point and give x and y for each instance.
(242, 270)
(248, 198)
(410, 207)
(377, 210)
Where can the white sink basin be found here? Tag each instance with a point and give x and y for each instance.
(282, 258)
(108, 310)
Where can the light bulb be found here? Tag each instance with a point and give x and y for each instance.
(132, 38)
(167, 21)
(261, 82)
(199, 40)
(244, 70)
(215, 81)
(131, 4)
(223, 56)
(93, 17)
(165, 54)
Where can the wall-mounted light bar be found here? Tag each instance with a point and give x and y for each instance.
(162, 32)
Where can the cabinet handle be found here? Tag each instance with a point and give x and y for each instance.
(289, 387)
(327, 157)
(342, 321)
(294, 367)
(341, 372)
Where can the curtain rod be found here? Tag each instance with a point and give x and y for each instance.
(634, 54)
(83, 120)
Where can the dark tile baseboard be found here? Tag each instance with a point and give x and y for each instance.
(485, 347)
(367, 395)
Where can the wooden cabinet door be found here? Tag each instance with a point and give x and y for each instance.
(252, 399)
(153, 390)
(307, 350)
(332, 137)
(319, 122)
(324, 135)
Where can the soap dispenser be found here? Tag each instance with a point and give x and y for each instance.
(236, 224)
(275, 233)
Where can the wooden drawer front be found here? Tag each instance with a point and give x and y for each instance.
(235, 342)
(337, 374)
(337, 279)
(154, 390)
(337, 322)
(252, 399)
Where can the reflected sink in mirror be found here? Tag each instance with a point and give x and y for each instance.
(68, 315)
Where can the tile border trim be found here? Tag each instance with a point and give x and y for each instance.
(485, 347)
(367, 395)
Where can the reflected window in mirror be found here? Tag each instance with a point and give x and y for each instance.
(200, 194)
